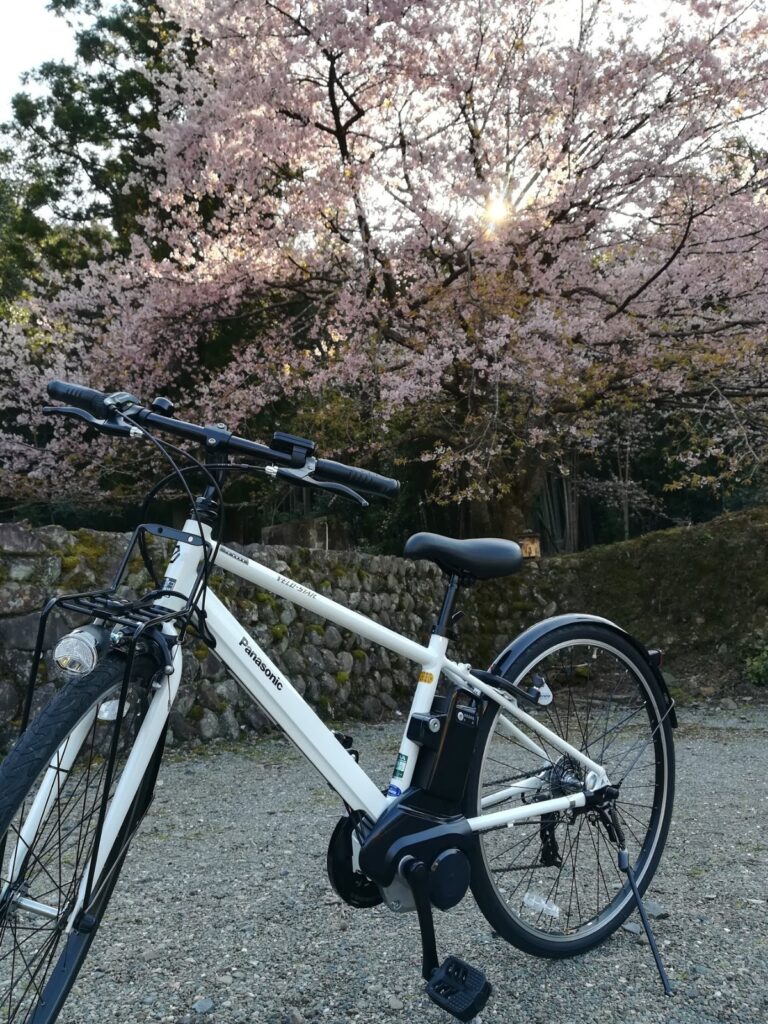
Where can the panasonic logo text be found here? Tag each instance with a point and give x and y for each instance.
(275, 680)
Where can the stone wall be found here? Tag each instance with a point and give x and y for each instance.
(340, 674)
(701, 593)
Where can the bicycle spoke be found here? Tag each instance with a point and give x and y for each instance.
(568, 862)
(48, 866)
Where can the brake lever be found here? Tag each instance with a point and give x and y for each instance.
(303, 478)
(105, 426)
(343, 490)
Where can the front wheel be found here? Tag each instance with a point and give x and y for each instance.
(551, 885)
(52, 785)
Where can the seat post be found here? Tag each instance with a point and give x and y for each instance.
(444, 619)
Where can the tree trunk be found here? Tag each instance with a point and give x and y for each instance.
(571, 499)
(503, 516)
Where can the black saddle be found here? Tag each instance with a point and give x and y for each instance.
(481, 559)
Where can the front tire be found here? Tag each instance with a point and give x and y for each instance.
(65, 749)
(551, 885)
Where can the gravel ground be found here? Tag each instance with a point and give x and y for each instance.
(224, 912)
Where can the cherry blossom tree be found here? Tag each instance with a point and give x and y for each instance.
(481, 232)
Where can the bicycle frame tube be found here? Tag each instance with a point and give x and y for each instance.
(430, 659)
(274, 692)
(271, 689)
(285, 706)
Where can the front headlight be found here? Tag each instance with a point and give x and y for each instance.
(78, 652)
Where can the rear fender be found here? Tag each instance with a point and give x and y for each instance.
(503, 661)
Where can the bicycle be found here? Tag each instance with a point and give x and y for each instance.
(544, 784)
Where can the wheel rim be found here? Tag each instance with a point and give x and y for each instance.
(557, 875)
(40, 883)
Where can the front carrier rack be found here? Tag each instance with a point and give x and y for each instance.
(133, 626)
(140, 618)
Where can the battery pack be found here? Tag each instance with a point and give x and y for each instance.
(447, 751)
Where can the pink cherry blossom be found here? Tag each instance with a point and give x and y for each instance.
(508, 224)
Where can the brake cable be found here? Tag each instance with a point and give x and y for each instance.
(164, 482)
(126, 406)
(208, 559)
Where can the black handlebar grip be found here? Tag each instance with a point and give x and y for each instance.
(89, 399)
(359, 479)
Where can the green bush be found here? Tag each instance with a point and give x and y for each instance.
(757, 667)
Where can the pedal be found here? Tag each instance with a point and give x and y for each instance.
(459, 988)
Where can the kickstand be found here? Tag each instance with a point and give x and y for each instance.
(626, 867)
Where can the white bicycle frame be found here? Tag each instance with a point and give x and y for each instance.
(272, 690)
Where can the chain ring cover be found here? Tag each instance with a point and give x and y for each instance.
(352, 886)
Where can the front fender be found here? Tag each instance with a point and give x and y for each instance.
(503, 661)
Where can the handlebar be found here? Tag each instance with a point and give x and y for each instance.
(107, 412)
(84, 398)
(360, 479)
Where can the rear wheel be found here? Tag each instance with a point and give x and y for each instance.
(46, 843)
(551, 884)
